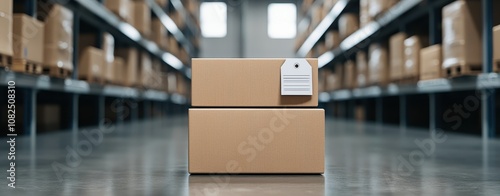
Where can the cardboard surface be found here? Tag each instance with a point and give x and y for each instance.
(350, 74)
(142, 18)
(119, 76)
(462, 43)
(413, 45)
(332, 39)
(119, 7)
(397, 56)
(91, 64)
(361, 69)
(159, 34)
(28, 38)
(430, 59)
(245, 82)
(348, 24)
(6, 27)
(131, 58)
(496, 44)
(378, 65)
(58, 46)
(256, 141)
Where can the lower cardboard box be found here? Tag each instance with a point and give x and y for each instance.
(256, 141)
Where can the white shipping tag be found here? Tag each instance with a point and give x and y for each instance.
(296, 77)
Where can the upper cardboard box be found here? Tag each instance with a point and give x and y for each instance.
(247, 83)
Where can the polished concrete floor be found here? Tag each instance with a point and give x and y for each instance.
(150, 158)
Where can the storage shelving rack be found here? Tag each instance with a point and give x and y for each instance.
(396, 19)
(96, 14)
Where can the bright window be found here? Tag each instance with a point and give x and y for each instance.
(282, 20)
(213, 19)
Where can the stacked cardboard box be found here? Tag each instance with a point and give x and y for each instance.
(253, 140)
(122, 8)
(378, 65)
(58, 38)
(350, 74)
(5, 31)
(91, 65)
(462, 37)
(348, 24)
(28, 43)
(332, 39)
(131, 58)
(397, 56)
(142, 17)
(413, 45)
(364, 15)
(159, 34)
(361, 69)
(430, 59)
(496, 48)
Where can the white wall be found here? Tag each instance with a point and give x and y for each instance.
(247, 33)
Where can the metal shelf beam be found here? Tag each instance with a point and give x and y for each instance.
(322, 27)
(481, 82)
(43, 82)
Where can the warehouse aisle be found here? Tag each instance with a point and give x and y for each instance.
(150, 158)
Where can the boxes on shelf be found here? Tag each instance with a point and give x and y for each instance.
(119, 76)
(222, 141)
(28, 35)
(413, 45)
(145, 71)
(361, 69)
(142, 17)
(58, 41)
(364, 15)
(6, 32)
(248, 82)
(496, 48)
(322, 80)
(332, 39)
(348, 24)
(331, 83)
(121, 8)
(350, 74)
(430, 59)
(157, 75)
(339, 77)
(109, 56)
(91, 65)
(131, 58)
(397, 56)
(378, 73)
(173, 46)
(171, 82)
(159, 34)
(378, 7)
(182, 85)
(462, 37)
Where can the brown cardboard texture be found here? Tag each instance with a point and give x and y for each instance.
(245, 82)
(462, 33)
(142, 17)
(256, 141)
(361, 69)
(58, 46)
(430, 59)
(378, 65)
(413, 45)
(397, 56)
(348, 24)
(496, 47)
(6, 27)
(91, 64)
(119, 7)
(28, 38)
(131, 58)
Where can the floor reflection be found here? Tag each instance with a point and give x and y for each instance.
(263, 184)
